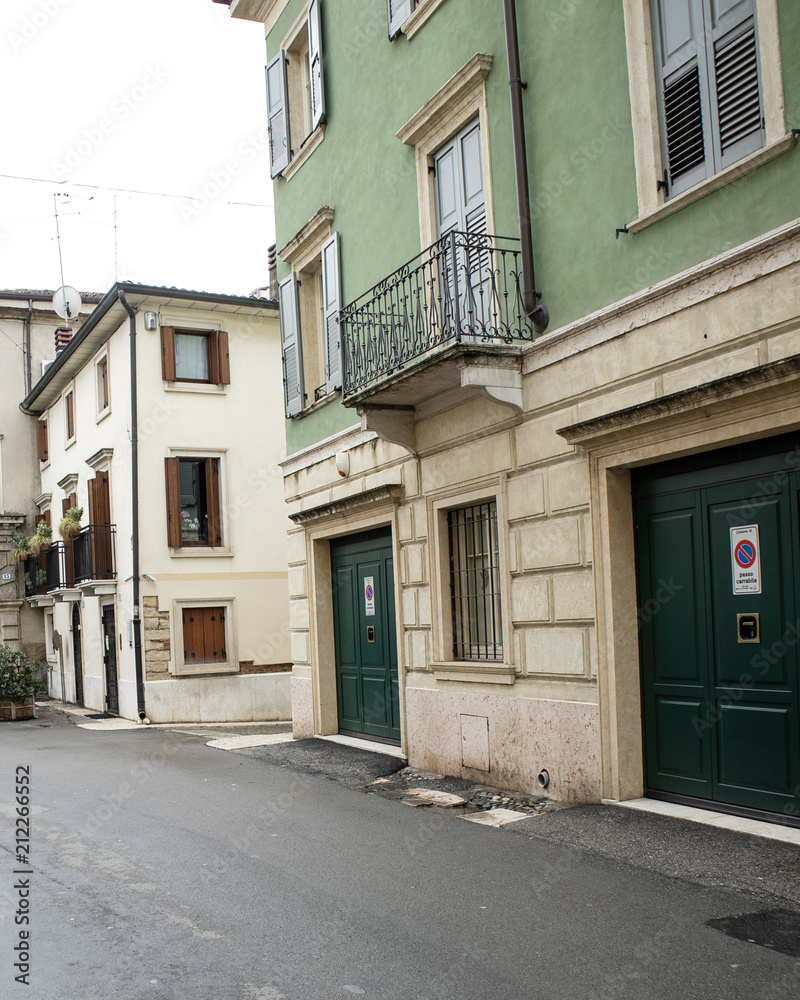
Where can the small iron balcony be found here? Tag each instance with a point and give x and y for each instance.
(465, 289)
(89, 557)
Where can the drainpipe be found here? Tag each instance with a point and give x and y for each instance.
(137, 635)
(27, 348)
(537, 313)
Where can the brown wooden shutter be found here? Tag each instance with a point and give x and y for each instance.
(45, 516)
(41, 439)
(92, 487)
(213, 501)
(70, 404)
(214, 634)
(193, 646)
(224, 369)
(168, 353)
(204, 635)
(212, 353)
(102, 498)
(172, 469)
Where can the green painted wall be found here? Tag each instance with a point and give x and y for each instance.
(580, 154)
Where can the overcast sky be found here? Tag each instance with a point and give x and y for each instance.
(162, 96)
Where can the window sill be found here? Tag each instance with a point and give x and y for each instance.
(101, 416)
(309, 145)
(196, 387)
(70, 443)
(204, 669)
(477, 671)
(317, 404)
(732, 173)
(415, 21)
(200, 552)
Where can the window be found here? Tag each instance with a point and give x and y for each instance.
(204, 636)
(199, 356)
(309, 302)
(295, 92)
(475, 582)
(709, 92)
(69, 408)
(409, 15)
(193, 502)
(41, 440)
(102, 385)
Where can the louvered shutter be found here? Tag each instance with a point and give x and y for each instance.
(315, 65)
(172, 470)
(41, 439)
(448, 197)
(734, 79)
(397, 12)
(168, 353)
(686, 133)
(212, 501)
(330, 313)
(278, 115)
(291, 345)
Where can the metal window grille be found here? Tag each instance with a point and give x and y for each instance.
(475, 582)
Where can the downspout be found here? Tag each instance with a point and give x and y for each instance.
(137, 635)
(27, 349)
(537, 313)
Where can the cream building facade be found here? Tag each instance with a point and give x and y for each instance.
(171, 451)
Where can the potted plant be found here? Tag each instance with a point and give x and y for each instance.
(70, 525)
(17, 685)
(41, 538)
(19, 546)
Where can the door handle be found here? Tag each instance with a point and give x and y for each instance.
(370, 633)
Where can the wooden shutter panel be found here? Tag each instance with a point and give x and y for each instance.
(193, 646)
(45, 516)
(168, 353)
(278, 115)
(212, 501)
(172, 470)
(448, 197)
(214, 635)
(397, 12)
(472, 181)
(69, 402)
(41, 440)
(291, 345)
(223, 360)
(315, 64)
(65, 505)
(330, 313)
(92, 487)
(738, 128)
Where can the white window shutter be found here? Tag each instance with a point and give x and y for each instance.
(330, 311)
(278, 115)
(315, 64)
(397, 12)
(292, 345)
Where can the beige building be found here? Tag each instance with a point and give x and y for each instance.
(27, 346)
(162, 420)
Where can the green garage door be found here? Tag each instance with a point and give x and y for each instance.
(718, 552)
(365, 635)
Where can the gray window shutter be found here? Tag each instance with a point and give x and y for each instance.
(291, 345)
(330, 311)
(472, 180)
(315, 65)
(448, 196)
(686, 133)
(398, 12)
(734, 81)
(278, 115)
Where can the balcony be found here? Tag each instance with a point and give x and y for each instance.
(35, 575)
(449, 319)
(86, 563)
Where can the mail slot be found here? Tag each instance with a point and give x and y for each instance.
(749, 628)
(370, 633)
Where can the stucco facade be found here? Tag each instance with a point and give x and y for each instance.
(239, 574)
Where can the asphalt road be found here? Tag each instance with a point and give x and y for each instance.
(162, 868)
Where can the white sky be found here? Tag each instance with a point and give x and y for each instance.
(156, 96)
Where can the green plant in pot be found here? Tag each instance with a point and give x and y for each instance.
(41, 538)
(19, 546)
(70, 525)
(17, 685)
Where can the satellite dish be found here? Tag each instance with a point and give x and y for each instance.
(67, 302)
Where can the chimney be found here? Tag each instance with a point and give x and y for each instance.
(63, 337)
(272, 270)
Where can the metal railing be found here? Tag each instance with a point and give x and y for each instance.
(59, 566)
(465, 288)
(35, 575)
(94, 550)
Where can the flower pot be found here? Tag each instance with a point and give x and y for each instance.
(12, 709)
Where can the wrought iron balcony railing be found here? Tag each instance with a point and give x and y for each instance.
(35, 575)
(465, 288)
(94, 550)
(59, 566)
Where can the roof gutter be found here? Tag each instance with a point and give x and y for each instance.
(137, 622)
(536, 313)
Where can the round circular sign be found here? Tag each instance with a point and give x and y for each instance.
(745, 553)
(369, 592)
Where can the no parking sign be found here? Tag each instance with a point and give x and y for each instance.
(746, 559)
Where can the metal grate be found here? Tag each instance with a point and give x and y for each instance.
(475, 582)
(683, 116)
(736, 71)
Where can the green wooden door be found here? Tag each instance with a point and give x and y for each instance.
(365, 635)
(719, 651)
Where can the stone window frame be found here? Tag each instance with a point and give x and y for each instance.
(653, 204)
(102, 411)
(442, 663)
(224, 550)
(177, 665)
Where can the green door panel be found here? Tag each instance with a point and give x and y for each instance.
(365, 635)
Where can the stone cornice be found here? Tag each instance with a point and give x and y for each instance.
(307, 243)
(390, 493)
(463, 82)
